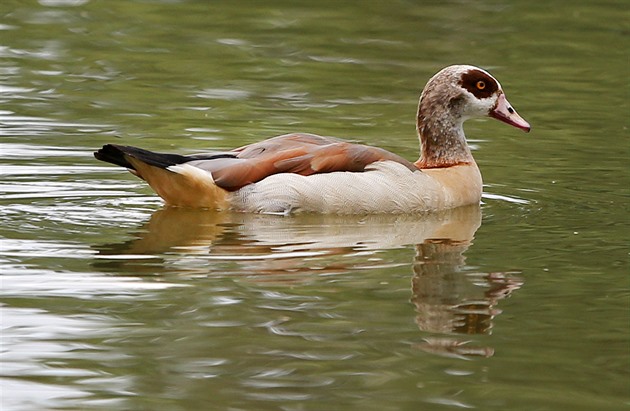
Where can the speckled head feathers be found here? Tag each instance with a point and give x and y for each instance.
(452, 96)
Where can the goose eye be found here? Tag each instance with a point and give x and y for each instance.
(481, 85)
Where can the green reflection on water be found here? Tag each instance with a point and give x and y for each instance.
(176, 330)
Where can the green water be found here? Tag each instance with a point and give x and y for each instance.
(110, 301)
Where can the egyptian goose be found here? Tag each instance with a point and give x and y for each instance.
(306, 172)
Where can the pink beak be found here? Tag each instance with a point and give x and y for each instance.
(504, 112)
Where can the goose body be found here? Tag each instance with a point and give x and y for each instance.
(305, 172)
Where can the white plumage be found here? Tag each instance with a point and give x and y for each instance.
(385, 187)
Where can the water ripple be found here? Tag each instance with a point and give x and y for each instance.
(509, 199)
(34, 282)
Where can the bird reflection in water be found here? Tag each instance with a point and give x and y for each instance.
(450, 301)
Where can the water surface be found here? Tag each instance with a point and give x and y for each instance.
(110, 301)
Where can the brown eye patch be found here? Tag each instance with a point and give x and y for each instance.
(479, 83)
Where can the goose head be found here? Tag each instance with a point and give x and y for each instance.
(452, 96)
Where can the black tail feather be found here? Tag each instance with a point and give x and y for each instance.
(111, 153)
(115, 154)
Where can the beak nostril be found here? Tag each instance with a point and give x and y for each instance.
(511, 110)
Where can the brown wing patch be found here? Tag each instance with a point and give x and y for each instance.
(284, 142)
(303, 154)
